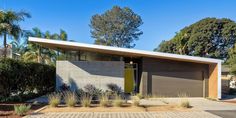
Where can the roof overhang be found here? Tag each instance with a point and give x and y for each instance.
(66, 45)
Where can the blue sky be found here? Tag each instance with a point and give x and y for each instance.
(162, 18)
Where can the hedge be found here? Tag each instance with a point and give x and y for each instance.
(19, 79)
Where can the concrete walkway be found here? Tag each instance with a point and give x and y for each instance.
(194, 114)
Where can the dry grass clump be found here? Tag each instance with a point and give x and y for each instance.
(136, 100)
(86, 101)
(184, 104)
(183, 95)
(54, 100)
(70, 99)
(117, 101)
(104, 101)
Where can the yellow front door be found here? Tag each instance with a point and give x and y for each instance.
(129, 80)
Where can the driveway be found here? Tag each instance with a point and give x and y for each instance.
(224, 113)
(197, 103)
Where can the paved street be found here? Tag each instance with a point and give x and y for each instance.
(194, 114)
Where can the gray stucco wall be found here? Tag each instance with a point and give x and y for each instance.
(77, 74)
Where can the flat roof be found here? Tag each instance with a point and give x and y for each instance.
(67, 45)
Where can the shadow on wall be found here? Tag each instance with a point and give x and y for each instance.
(103, 68)
(71, 83)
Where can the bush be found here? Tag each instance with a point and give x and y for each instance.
(21, 78)
(86, 101)
(92, 91)
(115, 88)
(70, 99)
(54, 100)
(21, 110)
(79, 93)
(140, 96)
(135, 100)
(185, 104)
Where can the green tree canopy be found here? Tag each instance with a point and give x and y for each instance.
(37, 53)
(9, 25)
(116, 27)
(209, 37)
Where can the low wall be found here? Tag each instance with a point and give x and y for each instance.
(77, 74)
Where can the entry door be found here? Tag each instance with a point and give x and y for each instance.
(131, 77)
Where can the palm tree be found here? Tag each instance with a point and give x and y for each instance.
(9, 25)
(38, 53)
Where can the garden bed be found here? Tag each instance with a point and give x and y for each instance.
(7, 109)
(63, 108)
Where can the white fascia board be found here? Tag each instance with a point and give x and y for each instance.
(124, 50)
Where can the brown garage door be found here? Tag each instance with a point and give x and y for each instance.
(172, 84)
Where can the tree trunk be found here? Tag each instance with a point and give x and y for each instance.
(5, 45)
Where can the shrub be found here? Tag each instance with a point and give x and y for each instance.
(86, 101)
(115, 88)
(70, 99)
(92, 91)
(185, 104)
(22, 78)
(118, 101)
(79, 93)
(135, 100)
(21, 110)
(54, 100)
(140, 96)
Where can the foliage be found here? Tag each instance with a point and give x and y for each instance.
(231, 62)
(116, 27)
(136, 100)
(115, 88)
(21, 110)
(86, 101)
(70, 99)
(37, 53)
(79, 93)
(118, 101)
(104, 101)
(92, 91)
(185, 104)
(23, 79)
(9, 24)
(140, 96)
(209, 37)
(54, 99)
(183, 95)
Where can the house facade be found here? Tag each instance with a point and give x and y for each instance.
(139, 71)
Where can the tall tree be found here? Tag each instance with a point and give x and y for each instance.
(9, 25)
(36, 52)
(116, 27)
(232, 60)
(209, 37)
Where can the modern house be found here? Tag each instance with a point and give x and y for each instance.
(134, 70)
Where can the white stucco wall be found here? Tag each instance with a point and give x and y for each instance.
(77, 74)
